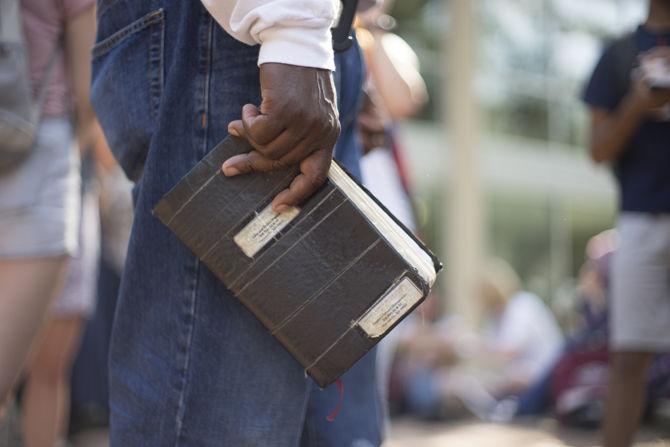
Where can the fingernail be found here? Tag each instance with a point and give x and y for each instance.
(233, 132)
(280, 208)
(229, 171)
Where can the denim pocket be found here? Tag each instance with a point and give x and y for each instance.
(127, 86)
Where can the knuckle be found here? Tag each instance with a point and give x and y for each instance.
(318, 115)
(249, 164)
(302, 114)
(273, 155)
(296, 115)
(333, 123)
(246, 124)
(326, 127)
(337, 128)
(266, 152)
(317, 179)
(313, 123)
(278, 165)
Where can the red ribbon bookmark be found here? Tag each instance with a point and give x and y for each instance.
(340, 389)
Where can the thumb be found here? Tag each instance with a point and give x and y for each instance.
(236, 128)
(239, 128)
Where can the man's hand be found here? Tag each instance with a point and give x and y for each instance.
(297, 123)
(372, 124)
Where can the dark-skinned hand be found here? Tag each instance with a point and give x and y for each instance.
(296, 124)
(372, 124)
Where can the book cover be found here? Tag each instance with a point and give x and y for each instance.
(328, 279)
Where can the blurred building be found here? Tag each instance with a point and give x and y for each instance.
(513, 141)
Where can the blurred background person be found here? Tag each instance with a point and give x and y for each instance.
(45, 402)
(573, 386)
(454, 372)
(393, 66)
(39, 200)
(394, 91)
(89, 402)
(631, 130)
(521, 340)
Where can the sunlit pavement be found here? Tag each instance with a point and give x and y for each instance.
(540, 433)
(545, 433)
(411, 433)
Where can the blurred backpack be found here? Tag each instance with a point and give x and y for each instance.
(579, 385)
(19, 113)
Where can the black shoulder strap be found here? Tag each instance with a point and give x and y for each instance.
(342, 32)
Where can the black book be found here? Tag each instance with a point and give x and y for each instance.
(329, 279)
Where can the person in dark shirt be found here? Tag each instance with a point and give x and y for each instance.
(631, 131)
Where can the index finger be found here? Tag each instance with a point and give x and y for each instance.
(249, 163)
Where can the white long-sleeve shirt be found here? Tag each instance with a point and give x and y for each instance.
(295, 32)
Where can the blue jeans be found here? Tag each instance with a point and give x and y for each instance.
(189, 365)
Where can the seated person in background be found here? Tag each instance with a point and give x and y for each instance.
(586, 344)
(523, 335)
(455, 373)
(521, 340)
(575, 386)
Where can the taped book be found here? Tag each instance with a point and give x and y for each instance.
(328, 279)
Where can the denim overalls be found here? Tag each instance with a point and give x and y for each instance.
(190, 366)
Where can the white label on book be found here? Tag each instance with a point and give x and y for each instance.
(392, 307)
(263, 228)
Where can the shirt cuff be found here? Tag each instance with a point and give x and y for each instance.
(306, 47)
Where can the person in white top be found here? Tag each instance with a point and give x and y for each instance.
(483, 372)
(528, 334)
(523, 333)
